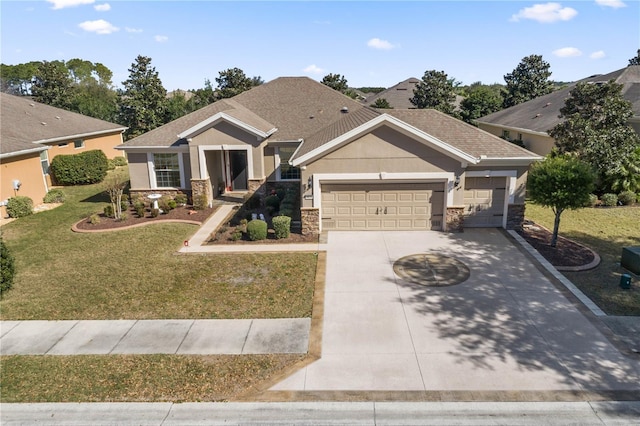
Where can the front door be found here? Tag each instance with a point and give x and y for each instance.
(238, 168)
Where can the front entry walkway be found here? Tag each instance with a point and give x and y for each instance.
(506, 328)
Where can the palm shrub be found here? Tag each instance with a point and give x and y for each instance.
(282, 226)
(257, 230)
(54, 196)
(7, 268)
(19, 206)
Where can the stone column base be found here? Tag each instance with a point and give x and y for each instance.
(515, 216)
(310, 218)
(455, 219)
(201, 187)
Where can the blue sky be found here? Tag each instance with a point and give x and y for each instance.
(371, 43)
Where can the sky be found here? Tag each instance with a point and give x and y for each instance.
(370, 43)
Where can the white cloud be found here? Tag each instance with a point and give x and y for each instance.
(102, 7)
(598, 55)
(133, 30)
(161, 38)
(545, 13)
(61, 4)
(99, 27)
(611, 3)
(567, 52)
(313, 69)
(376, 43)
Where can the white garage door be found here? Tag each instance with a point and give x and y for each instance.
(382, 206)
(484, 201)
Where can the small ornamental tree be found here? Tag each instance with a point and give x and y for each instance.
(114, 187)
(561, 182)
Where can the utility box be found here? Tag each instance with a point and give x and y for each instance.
(625, 281)
(631, 259)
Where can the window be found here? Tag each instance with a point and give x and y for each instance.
(285, 170)
(78, 143)
(44, 162)
(167, 168)
(505, 134)
(62, 145)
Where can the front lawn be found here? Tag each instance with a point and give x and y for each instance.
(136, 273)
(606, 230)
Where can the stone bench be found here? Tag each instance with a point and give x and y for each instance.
(631, 259)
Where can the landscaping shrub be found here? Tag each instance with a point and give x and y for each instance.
(237, 234)
(120, 161)
(139, 208)
(200, 202)
(111, 165)
(252, 202)
(7, 268)
(282, 226)
(627, 198)
(108, 211)
(180, 198)
(273, 202)
(257, 230)
(155, 212)
(281, 192)
(593, 201)
(94, 219)
(124, 202)
(609, 199)
(80, 169)
(54, 196)
(19, 206)
(286, 212)
(167, 204)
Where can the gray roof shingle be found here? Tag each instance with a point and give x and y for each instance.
(542, 114)
(26, 122)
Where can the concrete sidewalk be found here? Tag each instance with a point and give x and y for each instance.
(325, 413)
(201, 337)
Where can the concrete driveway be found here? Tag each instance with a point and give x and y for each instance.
(506, 328)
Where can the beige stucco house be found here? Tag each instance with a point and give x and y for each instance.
(529, 122)
(356, 167)
(32, 134)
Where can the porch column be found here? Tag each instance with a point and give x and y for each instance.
(202, 187)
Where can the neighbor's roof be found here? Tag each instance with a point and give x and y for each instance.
(542, 114)
(302, 109)
(27, 124)
(399, 96)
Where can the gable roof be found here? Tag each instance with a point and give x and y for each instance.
(542, 114)
(300, 109)
(398, 96)
(27, 124)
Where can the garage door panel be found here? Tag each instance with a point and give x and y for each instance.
(484, 200)
(382, 206)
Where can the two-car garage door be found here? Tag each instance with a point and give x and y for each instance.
(387, 206)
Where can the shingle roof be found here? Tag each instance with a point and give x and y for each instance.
(398, 96)
(542, 114)
(457, 133)
(26, 122)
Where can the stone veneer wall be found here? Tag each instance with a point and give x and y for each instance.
(310, 218)
(515, 216)
(455, 219)
(201, 187)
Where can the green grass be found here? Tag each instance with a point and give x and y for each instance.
(136, 273)
(136, 378)
(607, 231)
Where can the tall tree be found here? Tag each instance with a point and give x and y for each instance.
(233, 81)
(596, 129)
(435, 91)
(561, 182)
(143, 99)
(52, 85)
(95, 100)
(17, 79)
(636, 59)
(481, 100)
(528, 81)
(336, 82)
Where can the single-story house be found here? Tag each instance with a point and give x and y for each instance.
(529, 122)
(32, 134)
(356, 167)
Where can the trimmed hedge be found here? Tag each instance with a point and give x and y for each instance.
(7, 268)
(80, 169)
(627, 198)
(19, 206)
(609, 200)
(54, 196)
(282, 226)
(257, 230)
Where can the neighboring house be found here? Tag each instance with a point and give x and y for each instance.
(530, 121)
(356, 167)
(399, 96)
(32, 134)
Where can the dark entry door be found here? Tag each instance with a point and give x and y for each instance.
(238, 166)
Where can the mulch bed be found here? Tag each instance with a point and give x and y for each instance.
(179, 213)
(294, 238)
(566, 252)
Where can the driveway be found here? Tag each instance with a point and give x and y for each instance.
(506, 328)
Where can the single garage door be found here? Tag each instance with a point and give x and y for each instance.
(484, 201)
(382, 206)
